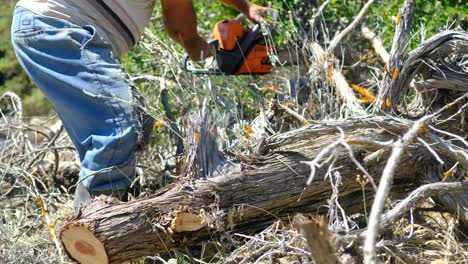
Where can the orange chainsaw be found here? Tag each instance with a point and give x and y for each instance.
(239, 49)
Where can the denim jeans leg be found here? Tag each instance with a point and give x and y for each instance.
(75, 69)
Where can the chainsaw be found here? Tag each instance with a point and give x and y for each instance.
(239, 49)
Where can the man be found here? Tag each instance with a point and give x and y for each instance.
(70, 49)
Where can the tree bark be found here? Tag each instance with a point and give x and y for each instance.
(243, 195)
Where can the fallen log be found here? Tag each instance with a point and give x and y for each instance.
(244, 195)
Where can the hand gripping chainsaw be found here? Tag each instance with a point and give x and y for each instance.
(239, 49)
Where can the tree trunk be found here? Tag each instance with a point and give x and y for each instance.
(245, 195)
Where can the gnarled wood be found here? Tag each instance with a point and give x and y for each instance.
(247, 195)
(403, 21)
(440, 61)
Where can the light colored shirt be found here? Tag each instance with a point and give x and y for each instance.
(120, 22)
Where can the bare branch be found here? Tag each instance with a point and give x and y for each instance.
(335, 77)
(319, 14)
(400, 42)
(174, 128)
(291, 112)
(431, 150)
(386, 182)
(316, 233)
(421, 193)
(376, 45)
(350, 27)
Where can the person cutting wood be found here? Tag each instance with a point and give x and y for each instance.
(71, 50)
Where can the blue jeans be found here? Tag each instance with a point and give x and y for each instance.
(92, 94)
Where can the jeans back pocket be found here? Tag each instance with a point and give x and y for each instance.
(25, 25)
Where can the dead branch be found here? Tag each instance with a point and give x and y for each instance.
(337, 39)
(174, 128)
(318, 239)
(319, 14)
(400, 41)
(376, 45)
(291, 112)
(243, 196)
(421, 193)
(440, 60)
(334, 76)
(386, 181)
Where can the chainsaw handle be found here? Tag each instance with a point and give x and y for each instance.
(184, 61)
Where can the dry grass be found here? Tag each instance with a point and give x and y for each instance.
(38, 168)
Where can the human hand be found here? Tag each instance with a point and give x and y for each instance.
(256, 13)
(198, 49)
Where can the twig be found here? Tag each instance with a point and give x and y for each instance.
(315, 163)
(319, 14)
(386, 182)
(50, 226)
(292, 113)
(431, 150)
(369, 142)
(459, 112)
(147, 78)
(460, 154)
(350, 27)
(451, 135)
(419, 194)
(376, 45)
(359, 165)
(174, 127)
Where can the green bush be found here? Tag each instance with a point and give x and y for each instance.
(12, 76)
(430, 17)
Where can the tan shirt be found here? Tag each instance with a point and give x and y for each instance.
(120, 22)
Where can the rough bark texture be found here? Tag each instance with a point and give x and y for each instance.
(377, 45)
(318, 239)
(248, 194)
(403, 23)
(440, 61)
(335, 77)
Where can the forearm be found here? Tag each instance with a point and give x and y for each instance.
(180, 20)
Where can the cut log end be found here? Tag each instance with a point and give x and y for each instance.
(83, 245)
(187, 222)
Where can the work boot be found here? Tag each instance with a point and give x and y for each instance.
(83, 196)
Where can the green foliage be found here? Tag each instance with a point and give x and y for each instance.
(12, 76)
(294, 16)
(430, 16)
